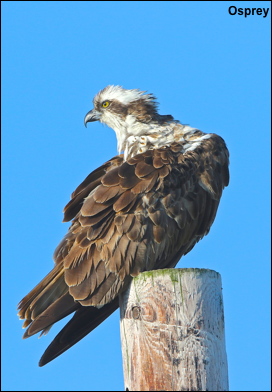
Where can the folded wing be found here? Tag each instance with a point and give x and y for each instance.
(128, 217)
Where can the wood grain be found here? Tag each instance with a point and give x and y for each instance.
(172, 332)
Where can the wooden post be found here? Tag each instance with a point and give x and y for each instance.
(172, 332)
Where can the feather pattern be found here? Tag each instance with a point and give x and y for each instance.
(139, 211)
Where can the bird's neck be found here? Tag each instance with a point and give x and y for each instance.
(136, 138)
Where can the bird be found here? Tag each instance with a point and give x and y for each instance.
(142, 210)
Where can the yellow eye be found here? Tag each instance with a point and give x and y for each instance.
(105, 104)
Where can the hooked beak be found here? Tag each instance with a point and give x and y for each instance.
(92, 115)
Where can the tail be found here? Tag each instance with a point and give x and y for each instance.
(50, 289)
(83, 322)
(48, 303)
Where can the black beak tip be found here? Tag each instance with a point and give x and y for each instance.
(87, 119)
(91, 116)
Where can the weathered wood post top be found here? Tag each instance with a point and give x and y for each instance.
(172, 332)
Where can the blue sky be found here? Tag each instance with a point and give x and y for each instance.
(208, 69)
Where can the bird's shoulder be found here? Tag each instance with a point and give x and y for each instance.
(120, 183)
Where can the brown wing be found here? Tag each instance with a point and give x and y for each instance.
(140, 215)
(52, 292)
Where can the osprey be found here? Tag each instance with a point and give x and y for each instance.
(142, 210)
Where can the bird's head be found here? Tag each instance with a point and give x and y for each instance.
(115, 105)
(130, 113)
